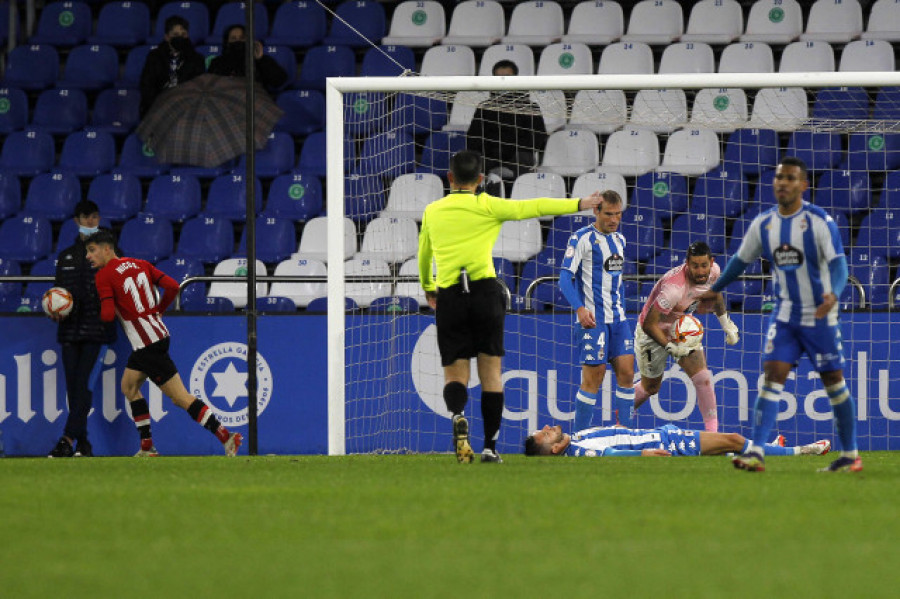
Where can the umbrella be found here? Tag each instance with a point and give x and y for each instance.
(203, 122)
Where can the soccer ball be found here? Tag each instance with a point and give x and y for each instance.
(57, 301)
(687, 331)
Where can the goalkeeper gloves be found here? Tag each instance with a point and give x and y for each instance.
(676, 350)
(732, 335)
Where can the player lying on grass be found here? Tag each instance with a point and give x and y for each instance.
(663, 440)
(127, 289)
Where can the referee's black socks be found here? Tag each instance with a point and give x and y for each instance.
(455, 396)
(492, 414)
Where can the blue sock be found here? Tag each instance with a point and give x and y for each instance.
(624, 401)
(584, 409)
(843, 408)
(765, 412)
(779, 450)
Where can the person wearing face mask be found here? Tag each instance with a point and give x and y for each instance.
(81, 334)
(174, 61)
(231, 62)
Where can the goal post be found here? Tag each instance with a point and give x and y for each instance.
(384, 414)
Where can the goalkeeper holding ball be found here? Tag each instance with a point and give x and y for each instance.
(459, 232)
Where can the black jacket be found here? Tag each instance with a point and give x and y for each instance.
(267, 70)
(155, 76)
(74, 272)
(507, 138)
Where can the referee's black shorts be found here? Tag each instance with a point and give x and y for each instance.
(471, 323)
(154, 361)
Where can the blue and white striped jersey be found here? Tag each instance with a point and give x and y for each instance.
(607, 440)
(597, 260)
(799, 248)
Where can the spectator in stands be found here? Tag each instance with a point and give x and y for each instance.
(509, 138)
(171, 63)
(232, 63)
(81, 334)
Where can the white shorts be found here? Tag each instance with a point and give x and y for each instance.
(650, 356)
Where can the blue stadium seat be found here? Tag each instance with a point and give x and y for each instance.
(320, 304)
(26, 238)
(134, 65)
(887, 104)
(363, 197)
(60, 111)
(304, 111)
(313, 155)
(53, 195)
(122, 24)
(32, 68)
(116, 111)
(274, 159)
(841, 103)
(207, 239)
(27, 153)
(745, 290)
(439, 147)
(68, 232)
(273, 303)
(820, 150)
(890, 197)
(285, 57)
(118, 195)
(546, 295)
(10, 195)
(276, 239)
(388, 61)
(844, 191)
(91, 67)
(562, 229)
(874, 275)
(294, 196)
(320, 62)
(873, 152)
(35, 291)
(138, 159)
(10, 293)
(63, 24)
(195, 13)
(722, 192)
(88, 153)
(227, 197)
(232, 13)
(174, 197)
(419, 114)
(208, 305)
(365, 113)
(13, 110)
(849, 300)
(506, 272)
(739, 228)
(298, 25)
(387, 154)
(755, 150)
(878, 233)
(395, 304)
(4, 23)
(844, 227)
(365, 16)
(666, 193)
(180, 268)
(665, 261)
(202, 172)
(698, 226)
(147, 238)
(643, 232)
(634, 295)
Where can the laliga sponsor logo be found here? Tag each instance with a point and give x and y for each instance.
(223, 370)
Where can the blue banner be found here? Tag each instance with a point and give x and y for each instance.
(394, 385)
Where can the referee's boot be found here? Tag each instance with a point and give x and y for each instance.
(464, 453)
(490, 456)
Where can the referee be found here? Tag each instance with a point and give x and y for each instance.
(459, 232)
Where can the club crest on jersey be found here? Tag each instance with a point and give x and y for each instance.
(219, 378)
(614, 264)
(787, 257)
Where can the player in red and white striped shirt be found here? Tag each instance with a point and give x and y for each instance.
(127, 289)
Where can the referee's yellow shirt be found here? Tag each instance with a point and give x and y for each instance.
(460, 230)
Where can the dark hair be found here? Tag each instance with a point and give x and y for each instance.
(228, 31)
(531, 446)
(102, 237)
(85, 208)
(611, 196)
(794, 161)
(505, 64)
(174, 21)
(698, 248)
(466, 167)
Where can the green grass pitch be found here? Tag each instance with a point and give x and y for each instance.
(425, 526)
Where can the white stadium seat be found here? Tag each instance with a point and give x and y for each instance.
(722, 110)
(774, 22)
(655, 22)
(517, 53)
(411, 289)
(571, 153)
(535, 24)
(714, 22)
(389, 238)
(463, 110)
(417, 24)
(237, 292)
(519, 240)
(364, 293)
(566, 59)
(448, 60)
(687, 57)
(600, 111)
(314, 240)
(554, 109)
(868, 55)
(834, 22)
(631, 152)
(884, 21)
(300, 293)
(411, 193)
(477, 23)
(596, 23)
(623, 58)
(691, 152)
(747, 57)
(659, 110)
(588, 183)
(781, 109)
(811, 56)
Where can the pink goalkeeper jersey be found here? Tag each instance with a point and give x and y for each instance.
(674, 295)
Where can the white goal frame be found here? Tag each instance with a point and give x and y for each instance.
(336, 87)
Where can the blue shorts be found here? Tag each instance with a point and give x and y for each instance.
(604, 342)
(679, 441)
(822, 344)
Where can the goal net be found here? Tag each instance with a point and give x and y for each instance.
(693, 157)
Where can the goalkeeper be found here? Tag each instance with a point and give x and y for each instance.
(459, 232)
(666, 440)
